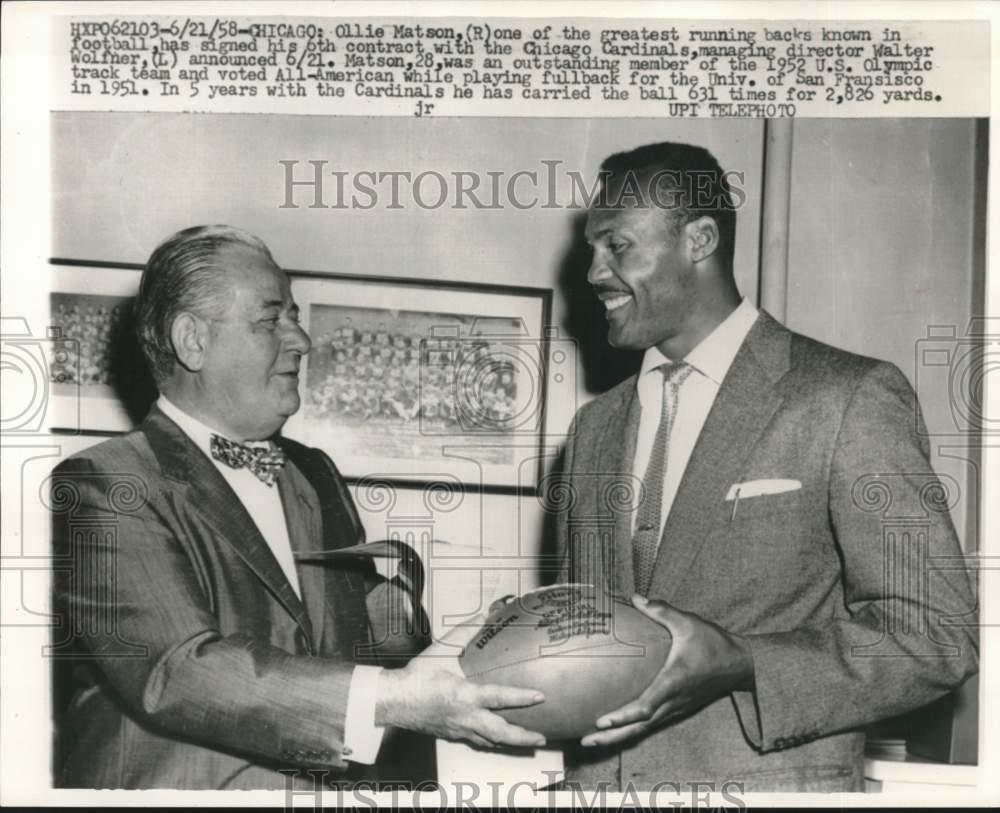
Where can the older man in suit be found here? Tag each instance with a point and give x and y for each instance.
(753, 537)
(206, 655)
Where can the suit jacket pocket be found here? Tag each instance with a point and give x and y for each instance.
(765, 505)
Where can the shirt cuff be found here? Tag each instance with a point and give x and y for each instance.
(362, 738)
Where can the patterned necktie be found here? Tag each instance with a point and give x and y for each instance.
(263, 462)
(646, 539)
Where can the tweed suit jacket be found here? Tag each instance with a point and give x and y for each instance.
(196, 664)
(849, 588)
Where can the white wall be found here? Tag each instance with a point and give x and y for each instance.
(882, 247)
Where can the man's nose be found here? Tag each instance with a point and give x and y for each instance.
(598, 271)
(297, 340)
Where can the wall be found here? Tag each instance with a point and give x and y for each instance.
(885, 244)
(881, 244)
(122, 182)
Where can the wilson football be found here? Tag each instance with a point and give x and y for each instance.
(589, 651)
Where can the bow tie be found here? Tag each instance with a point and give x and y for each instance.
(263, 462)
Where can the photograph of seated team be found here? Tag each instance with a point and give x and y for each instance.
(376, 375)
(803, 281)
(357, 373)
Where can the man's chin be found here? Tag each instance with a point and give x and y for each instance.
(289, 407)
(619, 341)
(286, 407)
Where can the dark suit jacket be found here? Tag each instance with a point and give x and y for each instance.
(197, 666)
(850, 589)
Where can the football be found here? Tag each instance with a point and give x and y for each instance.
(588, 650)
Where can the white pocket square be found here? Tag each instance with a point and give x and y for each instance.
(761, 488)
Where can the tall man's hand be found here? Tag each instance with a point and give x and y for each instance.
(432, 696)
(704, 664)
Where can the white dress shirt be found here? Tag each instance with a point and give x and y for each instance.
(362, 738)
(262, 502)
(711, 360)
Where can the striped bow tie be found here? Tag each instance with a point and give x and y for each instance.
(264, 462)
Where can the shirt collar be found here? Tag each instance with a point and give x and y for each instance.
(192, 427)
(713, 355)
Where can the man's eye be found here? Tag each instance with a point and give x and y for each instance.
(618, 246)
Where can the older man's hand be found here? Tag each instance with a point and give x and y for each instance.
(704, 664)
(432, 696)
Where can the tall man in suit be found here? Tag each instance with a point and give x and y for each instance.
(210, 658)
(756, 537)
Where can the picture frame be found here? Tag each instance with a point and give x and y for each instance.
(416, 381)
(98, 382)
(466, 403)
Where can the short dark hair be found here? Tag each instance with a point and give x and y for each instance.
(696, 184)
(182, 275)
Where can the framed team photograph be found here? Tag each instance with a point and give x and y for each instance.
(414, 381)
(96, 376)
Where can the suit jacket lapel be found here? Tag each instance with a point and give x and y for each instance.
(744, 405)
(342, 586)
(183, 462)
(305, 534)
(615, 459)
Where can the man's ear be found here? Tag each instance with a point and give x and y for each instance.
(189, 335)
(703, 237)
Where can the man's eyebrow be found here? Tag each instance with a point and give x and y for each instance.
(267, 304)
(597, 235)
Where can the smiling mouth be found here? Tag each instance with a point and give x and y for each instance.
(615, 300)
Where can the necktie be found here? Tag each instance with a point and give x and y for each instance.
(646, 539)
(263, 462)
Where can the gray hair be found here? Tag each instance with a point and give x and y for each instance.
(182, 275)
